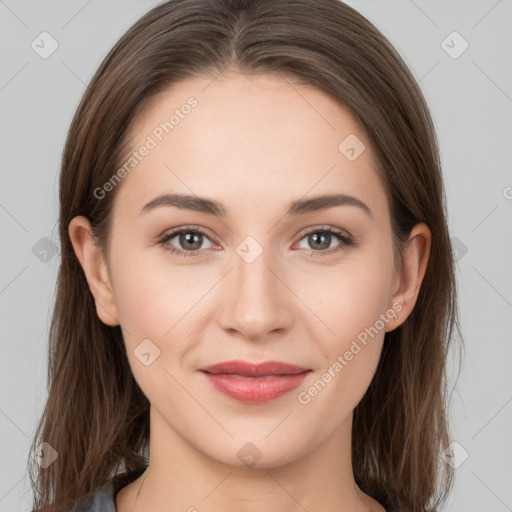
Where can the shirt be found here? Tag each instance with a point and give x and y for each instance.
(104, 499)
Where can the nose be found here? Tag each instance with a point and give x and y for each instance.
(257, 301)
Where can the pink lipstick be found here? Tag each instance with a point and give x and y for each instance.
(255, 383)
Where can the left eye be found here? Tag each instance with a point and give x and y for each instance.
(322, 239)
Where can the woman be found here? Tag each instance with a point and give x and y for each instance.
(256, 293)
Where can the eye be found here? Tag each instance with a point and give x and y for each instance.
(189, 239)
(322, 238)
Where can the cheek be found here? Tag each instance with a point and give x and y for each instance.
(350, 355)
(166, 304)
(348, 298)
(156, 302)
(153, 295)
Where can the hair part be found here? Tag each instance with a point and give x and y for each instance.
(96, 416)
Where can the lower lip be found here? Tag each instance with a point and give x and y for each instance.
(255, 390)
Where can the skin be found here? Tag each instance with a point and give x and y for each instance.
(254, 144)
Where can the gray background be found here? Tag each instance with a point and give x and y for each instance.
(471, 102)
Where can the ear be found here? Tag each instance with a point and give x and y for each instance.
(408, 279)
(95, 269)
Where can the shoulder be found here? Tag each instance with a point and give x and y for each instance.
(100, 501)
(104, 499)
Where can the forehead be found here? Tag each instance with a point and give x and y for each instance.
(248, 139)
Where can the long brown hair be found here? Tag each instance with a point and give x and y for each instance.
(96, 416)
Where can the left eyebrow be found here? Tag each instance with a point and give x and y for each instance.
(327, 201)
(212, 207)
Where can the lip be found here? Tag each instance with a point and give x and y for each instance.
(255, 383)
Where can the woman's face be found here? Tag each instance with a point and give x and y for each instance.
(251, 280)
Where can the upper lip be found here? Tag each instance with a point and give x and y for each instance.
(247, 369)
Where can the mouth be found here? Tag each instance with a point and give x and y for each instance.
(255, 383)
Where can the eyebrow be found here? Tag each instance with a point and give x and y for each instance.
(210, 206)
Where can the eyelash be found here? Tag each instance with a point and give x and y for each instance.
(347, 241)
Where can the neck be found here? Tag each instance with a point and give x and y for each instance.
(182, 477)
